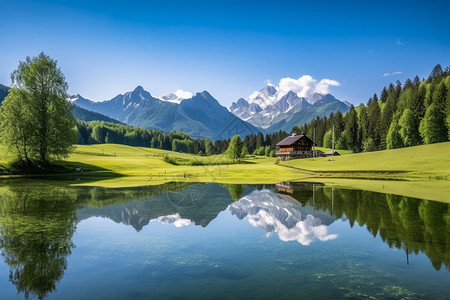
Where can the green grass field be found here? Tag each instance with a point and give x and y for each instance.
(421, 171)
(420, 162)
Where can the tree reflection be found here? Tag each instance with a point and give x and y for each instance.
(404, 223)
(36, 237)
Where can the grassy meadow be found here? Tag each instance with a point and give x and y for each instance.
(421, 171)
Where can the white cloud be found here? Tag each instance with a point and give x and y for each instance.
(183, 94)
(392, 74)
(305, 86)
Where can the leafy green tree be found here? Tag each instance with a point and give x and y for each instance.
(208, 147)
(369, 145)
(394, 139)
(234, 150)
(440, 95)
(43, 89)
(267, 150)
(244, 151)
(328, 139)
(342, 142)
(433, 128)
(16, 135)
(409, 129)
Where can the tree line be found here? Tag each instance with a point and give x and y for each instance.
(415, 113)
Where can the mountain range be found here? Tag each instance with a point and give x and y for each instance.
(272, 111)
(202, 116)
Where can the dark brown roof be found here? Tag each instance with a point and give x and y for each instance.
(292, 139)
(330, 153)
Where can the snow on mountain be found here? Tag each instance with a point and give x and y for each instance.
(288, 220)
(264, 97)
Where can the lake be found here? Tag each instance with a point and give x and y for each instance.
(207, 240)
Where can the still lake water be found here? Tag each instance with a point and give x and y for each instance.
(201, 241)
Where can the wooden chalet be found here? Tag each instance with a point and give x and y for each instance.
(295, 146)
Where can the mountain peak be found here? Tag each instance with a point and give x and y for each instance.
(204, 94)
(138, 89)
(269, 90)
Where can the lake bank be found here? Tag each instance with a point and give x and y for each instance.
(421, 171)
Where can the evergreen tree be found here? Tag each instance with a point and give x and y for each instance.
(387, 114)
(437, 72)
(363, 123)
(440, 95)
(208, 147)
(259, 140)
(244, 151)
(234, 150)
(374, 116)
(351, 129)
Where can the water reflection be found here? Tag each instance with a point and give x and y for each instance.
(283, 215)
(38, 220)
(36, 237)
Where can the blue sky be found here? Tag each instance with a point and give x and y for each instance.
(230, 48)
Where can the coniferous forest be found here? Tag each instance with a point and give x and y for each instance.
(415, 113)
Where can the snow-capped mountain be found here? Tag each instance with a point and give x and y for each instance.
(269, 211)
(200, 116)
(270, 106)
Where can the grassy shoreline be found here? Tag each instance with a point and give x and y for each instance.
(421, 171)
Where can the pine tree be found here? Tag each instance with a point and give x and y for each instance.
(387, 114)
(440, 95)
(208, 147)
(374, 114)
(234, 150)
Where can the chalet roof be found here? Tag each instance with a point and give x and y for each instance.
(294, 138)
(330, 153)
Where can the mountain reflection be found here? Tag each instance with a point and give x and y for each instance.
(38, 220)
(283, 215)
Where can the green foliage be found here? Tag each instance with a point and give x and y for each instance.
(432, 127)
(267, 151)
(409, 130)
(394, 139)
(328, 139)
(39, 90)
(208, 147)
(373, 126)
(234, 150)
(369, 145)
(244, 151)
